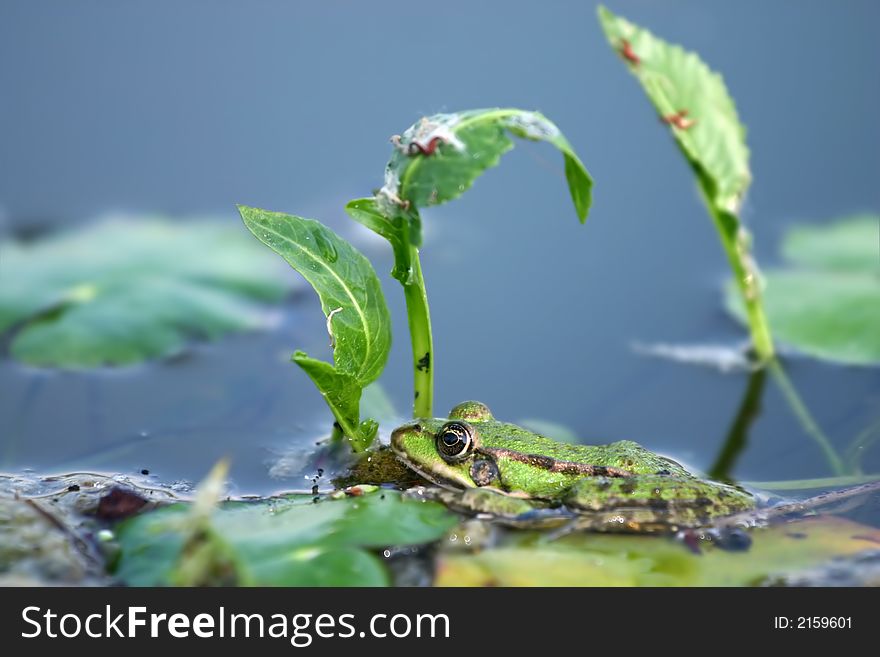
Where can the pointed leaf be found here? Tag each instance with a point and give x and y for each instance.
(352, 300)
(848, 244)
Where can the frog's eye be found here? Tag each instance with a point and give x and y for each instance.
(455, 440)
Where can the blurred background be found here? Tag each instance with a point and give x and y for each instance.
(186, 108)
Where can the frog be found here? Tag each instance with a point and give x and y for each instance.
(493, 469)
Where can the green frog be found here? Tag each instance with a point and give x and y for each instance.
(506, 472)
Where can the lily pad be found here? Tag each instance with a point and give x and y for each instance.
(293, 541)
(613, 560)
(126, 290)
(828, 306)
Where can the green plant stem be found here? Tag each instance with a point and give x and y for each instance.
(422, 341)
(803, 415)
(728, 227)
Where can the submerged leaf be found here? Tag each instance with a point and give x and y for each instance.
(438, 158)
(615, 560)
(287, 542)
(352, 300)
(123, 291)
(832, 309)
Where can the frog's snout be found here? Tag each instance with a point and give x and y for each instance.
(398, 436)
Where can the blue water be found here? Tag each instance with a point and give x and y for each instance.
(192, 107)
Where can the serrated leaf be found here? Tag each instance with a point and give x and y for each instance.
(285, 542)
(352, 300)
(439, 158)
(832, 310)
(126, 290)
(849, 244)
(605, 560)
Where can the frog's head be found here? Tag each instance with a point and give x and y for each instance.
(446, 451)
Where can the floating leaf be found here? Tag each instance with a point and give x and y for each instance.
(693, 100)
(124, 291)
(286, 542)
(832, 309)
(554, 430)
(615, 560)
(438, 158)
(352, 300)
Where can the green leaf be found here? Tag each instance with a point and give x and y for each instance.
(675, 80)
(124, 291)
(693, 100)
(401, 227)
(285, 542)
(352, 300)
(830, 310)
(438, 158)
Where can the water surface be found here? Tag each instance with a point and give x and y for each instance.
(191, 108)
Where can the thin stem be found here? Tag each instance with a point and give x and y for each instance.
(422, 341)
(734, 241)
(861, 443)
(803, 415)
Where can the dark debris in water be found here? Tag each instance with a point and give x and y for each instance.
(120, 503)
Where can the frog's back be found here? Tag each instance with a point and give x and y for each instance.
(623, 454)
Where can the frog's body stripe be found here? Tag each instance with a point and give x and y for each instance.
(551, 464)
